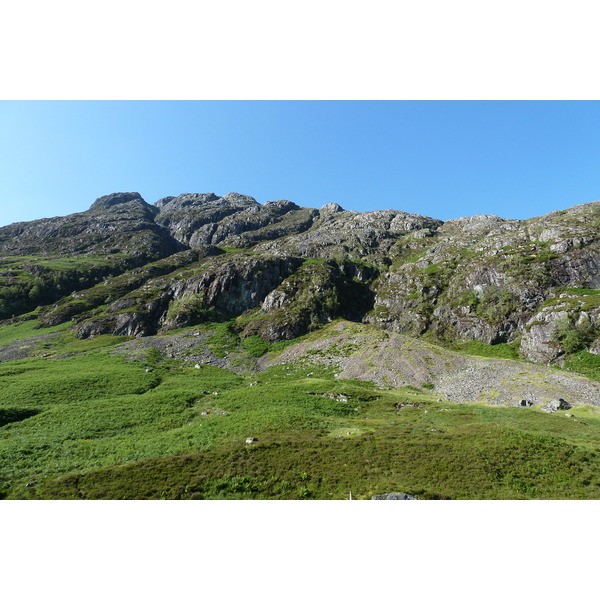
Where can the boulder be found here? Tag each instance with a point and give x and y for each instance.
(555, 405)
(393, 496)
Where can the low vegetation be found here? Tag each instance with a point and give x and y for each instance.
(584, 362)
(94, 424)
(475, 348)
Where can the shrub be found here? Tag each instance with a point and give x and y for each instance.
(255, 346)
(153, 356)
(573, 337)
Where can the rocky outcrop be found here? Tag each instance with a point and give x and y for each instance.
(285, 270)
(315, 294)
(540, 340)
(254, 224)
(231, 286)
(120, 223)
(105, 202)
(222, 287)
(555, 405)
(332, 207)
(338, 234)
(232, 220)
(186, 214)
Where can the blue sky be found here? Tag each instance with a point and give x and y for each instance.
(445, 159)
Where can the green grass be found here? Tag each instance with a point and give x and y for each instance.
(42, 383)
(476, 348)
(224, 339)
(579, 291)
(94, 425)
(465, 452)
(585, 363)
(580, 299)
(25, 330)
(69, 343)
(255, 346)
(432, 268)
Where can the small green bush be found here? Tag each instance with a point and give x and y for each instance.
(573, 337)
(153, 356)
(224, 339)
(255, 346)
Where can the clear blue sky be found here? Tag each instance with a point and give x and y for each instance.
(443, 159)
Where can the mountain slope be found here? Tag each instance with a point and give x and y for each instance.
(141, 345)
(478, 278)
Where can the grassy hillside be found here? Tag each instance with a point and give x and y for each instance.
(86, 422)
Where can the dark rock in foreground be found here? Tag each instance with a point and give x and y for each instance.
(555, 405)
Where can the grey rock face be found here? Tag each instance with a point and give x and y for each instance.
(113, 199)
(228, 285)
(332, 207)
(116, 223)
(164, 201)
(232, 220)
(285, 205)
(479, 222)
(347, 233)
(539, 336)
(185, 214)
(248, 226)
(236, 284)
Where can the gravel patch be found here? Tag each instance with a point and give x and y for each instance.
(25, 348)
(390, 359)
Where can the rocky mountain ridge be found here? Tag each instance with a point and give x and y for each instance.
(126, 267)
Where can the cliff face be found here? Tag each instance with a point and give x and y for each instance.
(492, 280)
(127, 267)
